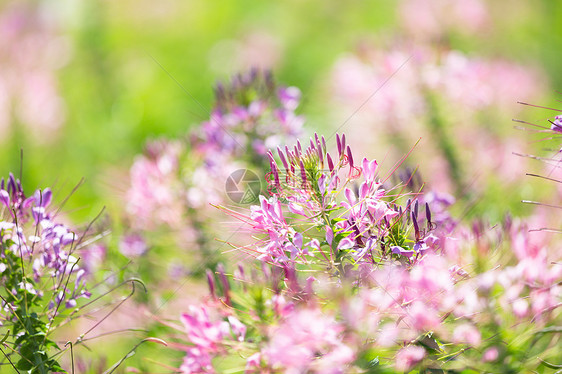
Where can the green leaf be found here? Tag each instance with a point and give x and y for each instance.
(5, 337)
(23, 364)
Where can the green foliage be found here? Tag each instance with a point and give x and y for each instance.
(28, 335)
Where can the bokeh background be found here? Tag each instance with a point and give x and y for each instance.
(84, 85)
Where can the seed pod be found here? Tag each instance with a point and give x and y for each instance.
(225, 284)
(408, 210)
(211, 283)
(330, 162)
(428, 215)
(416, 227)
(338, 141)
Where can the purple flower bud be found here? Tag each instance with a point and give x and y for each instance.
(211, 283)
(320, 155)
(324, 144)
(270, 156)
(276, 275)
(12, 184)
(289, 154)
(219, 92)
(282, 157)
(416, 227)
(408, 210)
(349, 157)
(299, 147)
(265, 271)
(291, 279)
(318, 145)
(338, 141)
(428, 214)
(303, 172)
(330, 162)
(297, 153)
(241, 272)
(309, 290)
(342, 142)
(275, 174)
(225, 284)
(46, 197)
(5, 198)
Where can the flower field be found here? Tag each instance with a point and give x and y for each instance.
(297, 187)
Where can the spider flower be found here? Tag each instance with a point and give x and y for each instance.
(355, 219)
(40, 272)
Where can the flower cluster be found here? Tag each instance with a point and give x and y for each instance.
(208, 338)
(251, 115)
(426, 83)
(39, 271)
(155, 187)
(355, 274)
(360, 219)
(174, 181)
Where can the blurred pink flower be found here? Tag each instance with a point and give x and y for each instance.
(430, 19)
(308, 341)
(132, 245)
(407, 358)
(491, 354)
(154, 196)
(467, 334)
(32, 50)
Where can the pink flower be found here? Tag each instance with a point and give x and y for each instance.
(196, 361)
(201, 331)
(153, 198)
(253, 363)
(428, 19)
(32, 51)
(207, 337)
(308, 340)
(283, 243)
(520, 308)
(467, 334)
(491, 354)
(408, 357)
(132, 245)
